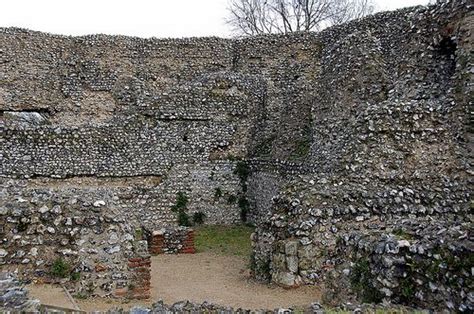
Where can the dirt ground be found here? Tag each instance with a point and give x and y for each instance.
(199, 277)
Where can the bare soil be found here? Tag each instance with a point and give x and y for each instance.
(199, 277)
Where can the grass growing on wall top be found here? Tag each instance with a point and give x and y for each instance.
(224, 240)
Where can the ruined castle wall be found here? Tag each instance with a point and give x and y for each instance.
(389, 139)
(363, 121)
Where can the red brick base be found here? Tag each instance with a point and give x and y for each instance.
(140, 285)
(157, 243)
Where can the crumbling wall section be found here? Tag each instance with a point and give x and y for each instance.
(389, 140)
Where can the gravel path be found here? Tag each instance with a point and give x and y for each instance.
(197, 277)
(221, 280)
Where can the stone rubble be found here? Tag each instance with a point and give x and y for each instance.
(14, 297)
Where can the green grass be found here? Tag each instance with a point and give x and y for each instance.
(224, 240)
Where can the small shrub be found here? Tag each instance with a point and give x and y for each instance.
(407, 288)
(22, 226)
(80, 296)
(138, 234)
(264, 148)
(361, 281)
(242, 171)
(231, 199)
(302, 145)
(198, 218)
(183, 219)
(261, 269)
(244, 208)
(231, 157)
(60, 268)
(181, 202)
(75, 276)
(217, 193)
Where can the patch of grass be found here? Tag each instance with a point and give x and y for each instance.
(224, 240)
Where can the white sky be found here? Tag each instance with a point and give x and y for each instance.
(143, 18)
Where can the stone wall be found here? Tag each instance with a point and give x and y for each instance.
(303, 135)
(390, 139)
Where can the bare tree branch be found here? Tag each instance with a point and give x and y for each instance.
(252, 17)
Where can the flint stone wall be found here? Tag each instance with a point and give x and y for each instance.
(364, 120)
(390, 140)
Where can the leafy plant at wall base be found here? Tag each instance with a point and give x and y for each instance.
(60, 268)
(198, 218)
(260, 268)
(361, 282)
(407, 288)
(242, 171)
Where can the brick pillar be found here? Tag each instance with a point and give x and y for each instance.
(156, 242)
(188, 243)
(141, 285)
(139, 267)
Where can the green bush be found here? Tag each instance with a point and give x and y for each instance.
(198, 218)
(138, 234)
(361, 281)
(181, 202)
(183, 219)
(244, 208)
(60, 268)
(217, 193)
(75, 276)
(231, 199)
(242, 171)
(22, 226)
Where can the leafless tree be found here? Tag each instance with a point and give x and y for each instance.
(252, 17)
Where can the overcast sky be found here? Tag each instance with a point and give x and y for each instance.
(143, 18)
